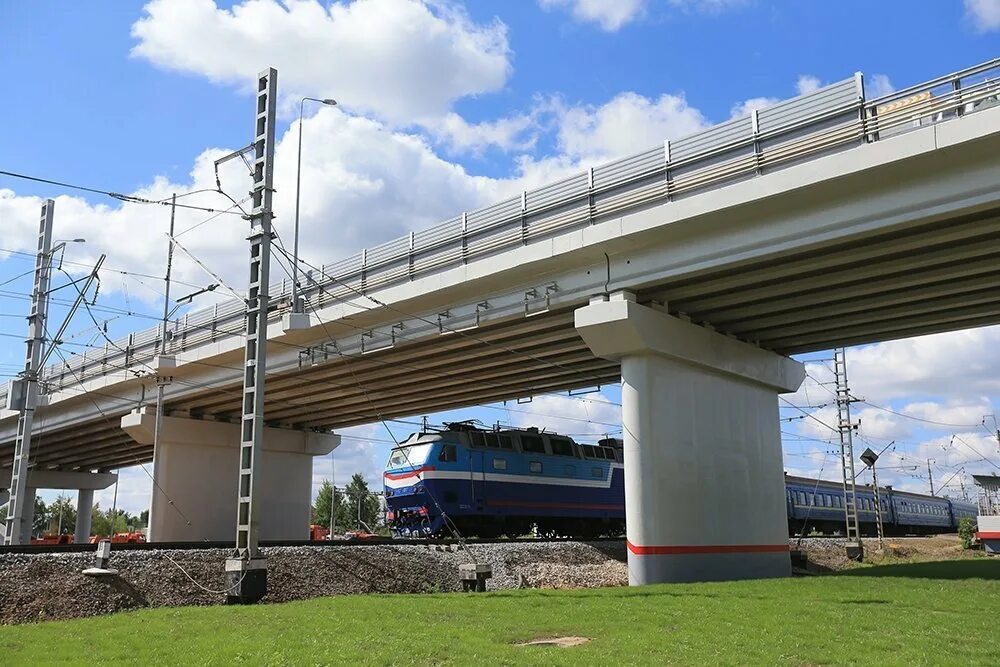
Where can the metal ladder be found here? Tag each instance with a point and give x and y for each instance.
(846, 429)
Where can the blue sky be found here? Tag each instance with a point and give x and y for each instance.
(445, 107)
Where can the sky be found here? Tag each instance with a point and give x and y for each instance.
(445, 107)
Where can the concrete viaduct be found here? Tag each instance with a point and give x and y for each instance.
(688, 272)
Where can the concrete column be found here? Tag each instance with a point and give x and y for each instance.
(704, 484)
(29, 514)
(194, 494)
(84, 509)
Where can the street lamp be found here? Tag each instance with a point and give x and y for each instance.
(296, 305)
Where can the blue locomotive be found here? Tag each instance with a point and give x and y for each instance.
(496, 482)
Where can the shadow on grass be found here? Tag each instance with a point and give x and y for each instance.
(983, 568)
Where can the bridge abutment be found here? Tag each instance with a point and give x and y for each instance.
(195, 479)
(704, 482)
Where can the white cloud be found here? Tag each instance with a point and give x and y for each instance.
(610, 15)
(985, 14)
(362, 184)
(878, 85)
(588, 135)
(746, 107)
(807, 83)
(404, 61)
(510, 133)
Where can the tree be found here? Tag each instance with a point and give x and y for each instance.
(143, 518)
(967, 532)
(101, 521)
(40, 522)
(321, 510)
(62, 515)
(358, 496)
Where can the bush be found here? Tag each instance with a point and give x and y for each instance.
(967, 531)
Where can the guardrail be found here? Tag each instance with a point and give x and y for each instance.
(830, 119)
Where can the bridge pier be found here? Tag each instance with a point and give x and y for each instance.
(704, 482)
(83, 482)
(196, 472)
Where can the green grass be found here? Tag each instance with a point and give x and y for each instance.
(925, 613)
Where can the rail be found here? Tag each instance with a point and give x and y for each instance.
(833, 118)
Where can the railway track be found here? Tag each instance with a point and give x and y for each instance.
(386, 541)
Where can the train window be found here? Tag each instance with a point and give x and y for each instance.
(561, 446)
(594, 472)
(499, 464)
(802, 498)
(505, 441)
(478, 438)
(535, 466)
(532, 444)
(448, 453)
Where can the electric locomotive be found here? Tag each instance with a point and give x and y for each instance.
(496, 482)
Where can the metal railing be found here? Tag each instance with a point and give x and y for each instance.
(836, 117)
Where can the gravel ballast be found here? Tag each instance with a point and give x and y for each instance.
(36, 587)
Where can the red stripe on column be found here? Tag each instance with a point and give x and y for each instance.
(988, 535)
(707, 549)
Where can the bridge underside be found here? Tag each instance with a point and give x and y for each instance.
(514, 359)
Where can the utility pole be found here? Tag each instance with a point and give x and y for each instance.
(855, 550)
(23, 392)
(161, 380)
(869, 458)
(333, 493)
(930, 476)
(246, 570)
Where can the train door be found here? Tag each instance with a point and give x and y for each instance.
(477, 478)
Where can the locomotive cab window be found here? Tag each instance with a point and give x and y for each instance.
(448, 453)
(561, 446)
(532, 444)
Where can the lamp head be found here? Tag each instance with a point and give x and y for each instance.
(329, 102)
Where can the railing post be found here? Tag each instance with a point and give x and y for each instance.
(667, 175)
(956, 85)
(364, 270)
(590, 195)
(754, 131)
(409, 269)
(524, 217)
(465, 237)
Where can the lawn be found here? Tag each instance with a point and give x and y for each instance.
(924, 613)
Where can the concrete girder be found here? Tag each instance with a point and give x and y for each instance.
(80, 457)
(860, 304)
(498, 368)
(949, 303)
(514, 384)
(909, 264)
(986, 267)
(932, 233)
(64, 479)
(341, 374)
(60, 454)
(569, 380)
(895, 335)
(958, 318)
(94, 459)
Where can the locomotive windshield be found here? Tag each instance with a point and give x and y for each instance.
(409, 455)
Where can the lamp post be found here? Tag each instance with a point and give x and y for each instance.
(296, 305)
